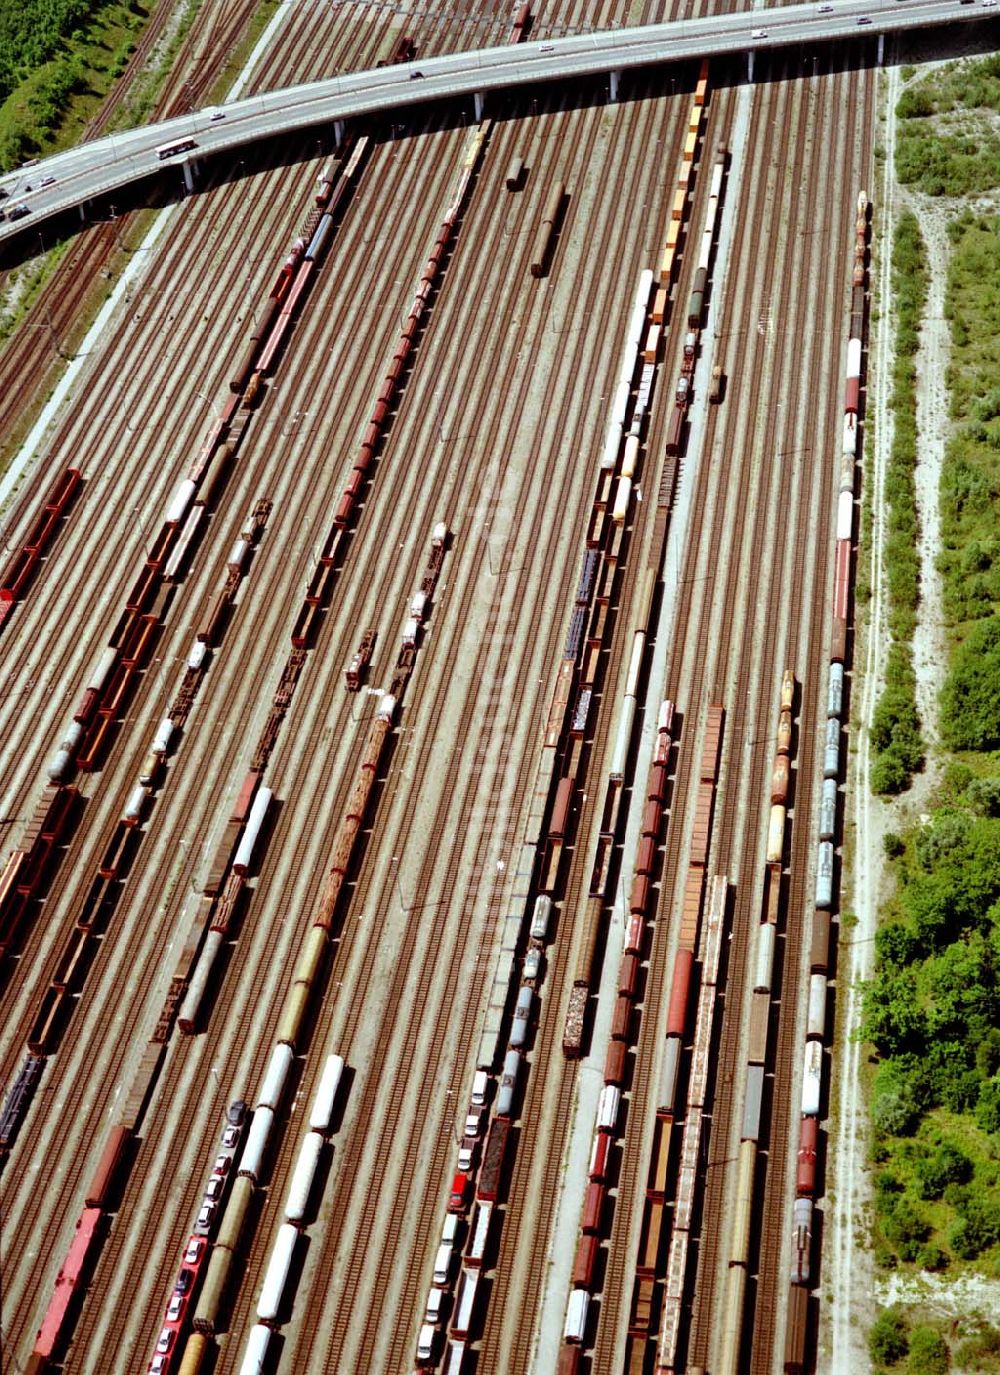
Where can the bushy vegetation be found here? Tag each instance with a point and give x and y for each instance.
(895, 733)
(888, 1340)
(939, 150)
(928, 1353)
(58, 58)
(31, 32)
(932, 1013)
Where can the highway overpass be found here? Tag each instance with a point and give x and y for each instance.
(71, 179)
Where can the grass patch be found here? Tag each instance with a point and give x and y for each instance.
(895, 734)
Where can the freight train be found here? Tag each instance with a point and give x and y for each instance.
(807, 1184)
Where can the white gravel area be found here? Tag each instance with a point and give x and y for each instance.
(929, 646)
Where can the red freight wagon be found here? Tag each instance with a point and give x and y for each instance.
(805, 1174)
(68, 1282)
(560, 813)
(680, 989)
(599, 1156)
(593, 1206)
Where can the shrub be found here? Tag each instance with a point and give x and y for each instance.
(887, 1340)
(929, 1353)
(897, 1112)
(906, 1228)
(984, 796)
(896, 944)
(892, 844)
(946, 1165)
(932, 1257)
(988, 1106)
(978, 1229)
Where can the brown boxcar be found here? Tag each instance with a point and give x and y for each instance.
(651, 819)
(795, 1329)
(657, 790)
(107, 1166)
(647, 855)
(586, 1258)
(639, 899)
(621, 1020)
(570, 1359)
(614, 1063)
(820, 947)
(628, 975)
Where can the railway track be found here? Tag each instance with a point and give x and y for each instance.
(549, 1099)
(297, 455)
(231, 1002)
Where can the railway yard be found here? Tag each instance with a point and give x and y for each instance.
(518, 481)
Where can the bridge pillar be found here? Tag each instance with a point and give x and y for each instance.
(338, 131)
(188, 170)
(613, 85)
(750, 65)
(881, 49)
(83, 213)
(477, 100)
